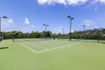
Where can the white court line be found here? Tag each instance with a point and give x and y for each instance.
(28, 48)
(57, 48)
(46, 49)
(36, 45)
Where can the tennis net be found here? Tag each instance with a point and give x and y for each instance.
(30, 39)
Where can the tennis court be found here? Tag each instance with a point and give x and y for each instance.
(44, 45)
(52, 55)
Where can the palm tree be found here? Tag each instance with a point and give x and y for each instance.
(70, 24)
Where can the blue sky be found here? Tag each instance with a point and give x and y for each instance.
(30, 15)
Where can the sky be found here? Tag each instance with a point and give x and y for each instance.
(30, 15)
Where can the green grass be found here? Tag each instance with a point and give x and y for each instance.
(52, 55)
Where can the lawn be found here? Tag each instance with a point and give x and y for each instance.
(52, 55)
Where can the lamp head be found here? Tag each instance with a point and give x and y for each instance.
(72, 18)
(44, 24)
(68, 16)
(5, 17)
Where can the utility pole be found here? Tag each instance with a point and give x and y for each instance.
(70, 25)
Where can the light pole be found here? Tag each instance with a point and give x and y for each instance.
(63, 32)
(0, 25)
(70, 24)
(84, 31)
(99, 34)
(0, 21)
(45, 28)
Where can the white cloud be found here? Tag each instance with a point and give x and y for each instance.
(51, 1)
(58, 30)
(72, 31)
(90, 24)
(65, 2)
(7, 25)
(32, 26)
(68, 2)
(102, 1)
(10, 21)
(27, 21)
(71, 2)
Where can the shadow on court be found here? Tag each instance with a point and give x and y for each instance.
(4, 47)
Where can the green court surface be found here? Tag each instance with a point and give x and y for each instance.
(52, 55)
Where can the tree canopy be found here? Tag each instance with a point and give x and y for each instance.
(89, 34)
